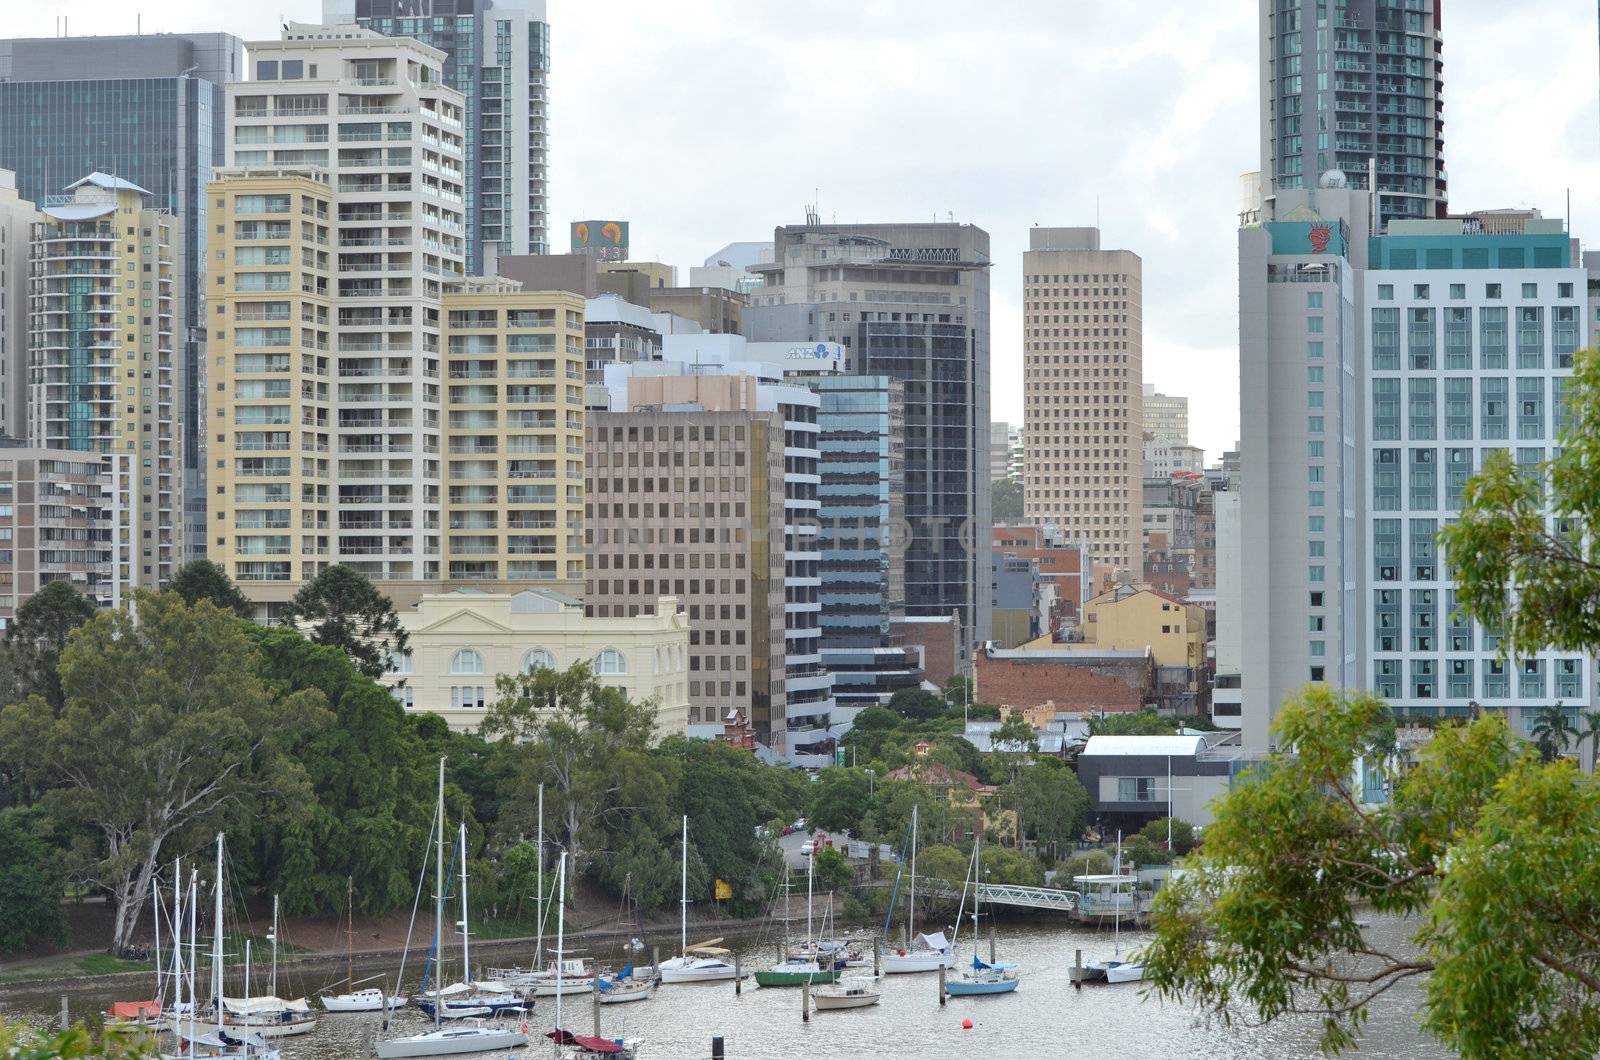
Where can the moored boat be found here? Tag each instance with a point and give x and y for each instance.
(369, 1000)
(984, 979)
(854, 992)
(927, 953)
(451, 1041)
(794, 972)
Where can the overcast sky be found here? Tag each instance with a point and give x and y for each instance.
(714, 120)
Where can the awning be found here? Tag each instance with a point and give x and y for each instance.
(134, 1010)
(584, 1041)
(934, 941)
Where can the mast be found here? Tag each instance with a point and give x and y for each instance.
(811, 871)
(438, 905)
(538, 946)
(155, 918)
(273, 938)
(177, 934)
(683, 893)
(561, 928)
(216, 942)
(247, 966)
(911, 902)
(1116, 907)
(350, 933)
(466, 933)
(194, 945)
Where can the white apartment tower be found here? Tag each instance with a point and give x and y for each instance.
(1083, 423)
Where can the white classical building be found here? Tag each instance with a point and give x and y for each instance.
(460, 641)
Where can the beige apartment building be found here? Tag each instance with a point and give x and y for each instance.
(56, 524)
(338, 296)
(101, 363)
(461, 640)
(691, 504)
(1083, 432)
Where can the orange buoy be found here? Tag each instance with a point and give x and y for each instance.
(966, 1024)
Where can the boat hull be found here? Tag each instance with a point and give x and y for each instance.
(831, 1002)
(569, 987)
(623, 995)
(696, 972)
(777, 978)
(271, 1028)
(450, 1043)
(361, 1001)
(468, 1007)
(979, 988)
(1127, 972)
(904, 963)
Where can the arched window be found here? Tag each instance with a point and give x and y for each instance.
(537, 659)
(610, 661)
(466, 661)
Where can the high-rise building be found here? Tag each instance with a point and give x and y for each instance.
(1082, 392)
(103, 326)
(147, 109)
(58, 522)
(332, 414)
(1355, 86)
(999, 451)
(911, 302)
(1166, 416)
(16, 227)
(497, 55)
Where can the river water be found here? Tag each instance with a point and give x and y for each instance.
(1045, 1017)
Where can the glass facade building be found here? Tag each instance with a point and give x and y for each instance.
(152, 114)
(497, 55)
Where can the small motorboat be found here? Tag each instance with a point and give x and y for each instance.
(704, 963)
(370, 1000)
(855, 992)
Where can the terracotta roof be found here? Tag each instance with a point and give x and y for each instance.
(940, 775)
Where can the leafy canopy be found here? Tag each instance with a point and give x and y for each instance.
(200, 579)
(345, 611)
(38, 634)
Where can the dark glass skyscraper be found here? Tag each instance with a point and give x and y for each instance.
(498, 56)
(147, 109)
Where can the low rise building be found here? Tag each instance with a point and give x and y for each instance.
(1133, 780)
(1066, 678)
(1067, 565)
(460, 641)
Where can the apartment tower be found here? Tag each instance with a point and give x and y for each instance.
(1082, 393)
(497, 55)
(102, 340)
(1355, 86)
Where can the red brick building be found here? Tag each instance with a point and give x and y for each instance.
(1071, 679)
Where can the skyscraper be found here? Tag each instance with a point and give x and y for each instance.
(1083, 355)
(1166, 415)
(497, 55)
(911, 302)
(1351, 83)
(147, 109)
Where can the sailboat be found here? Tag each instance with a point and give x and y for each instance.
(470, 997)
(441, 1040)
(797, 970)
(569, 1044)
(982, 978)
(623, 987)
(370, 999)
(268, 1015)
(126, 1016)
(1113, 969)
(704, 961)
(924, 953)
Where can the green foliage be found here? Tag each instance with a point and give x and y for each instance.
(1005, 500)
(1009, 865)
(833, 873)
(1198, 722)
(890, 820)
(840, 799)
(945, 863)
(1083, 863)
(957, 692)
(519, 876)
(1053, 802)
(1533, 578)
(1140, 851)
(345, 611)
(1487, 849)
(166, 734)
(371, 781)
(645, 868)
(1015, 734)
(201, 579)
(30, 887)
(917, 704)
(1182, 835)
(1137, 723)
(1552, 732)
(18, 1041)
(38, 635)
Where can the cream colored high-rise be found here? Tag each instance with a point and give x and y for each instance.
(339, 295)
(102, 313)
(1083, 354)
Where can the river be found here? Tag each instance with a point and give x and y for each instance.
(1045, 1017)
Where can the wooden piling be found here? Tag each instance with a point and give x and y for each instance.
(1077, 969)
(805, 1001)
(738, 976)
(717, 1047)
(596, 999)
(941, 986)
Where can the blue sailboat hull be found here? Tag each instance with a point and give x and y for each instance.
(965, 988)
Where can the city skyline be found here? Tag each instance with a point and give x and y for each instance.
(1168, 121)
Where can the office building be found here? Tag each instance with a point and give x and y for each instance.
(861, 498)
(911, 302)
(689, 502)
(375, 461)
(149, 110)
(57, 523)
(1471, 332)
(497, 56)
(716, 309)
(103, 329)
(1299, 358)
(729, 268)
(1164, 458)
(1355, 86)
(16, 227)
(999, 451)
(1082, 392)
(1066, 564)
(460, 640)
(1166, 416)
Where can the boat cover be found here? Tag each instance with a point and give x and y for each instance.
(255, 1006)
(979, 966)
(933, 941)
(585, 1041)
(134, 1010)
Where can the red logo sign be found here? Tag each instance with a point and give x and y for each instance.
(1320, 235)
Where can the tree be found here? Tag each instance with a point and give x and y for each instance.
(30, 889)
(1015, 736)
(917, 704)
(1486, 849)
(1138, 723)
(958, 692)
(840, 799)
(345, 611)
(1182, 834)
(200, 579)
(1053, 803)
(1591, 732)
(166, 733)
(1007, 865)
(588, 744)
(18, 1041)
(1005, 500)
(890, 819)
(1552, 731)
(38, 634)
(833, 872)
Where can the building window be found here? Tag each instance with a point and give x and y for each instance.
(466, 661)
(1136, 789)
(399, 662)
(610, 661)
(537, 659)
